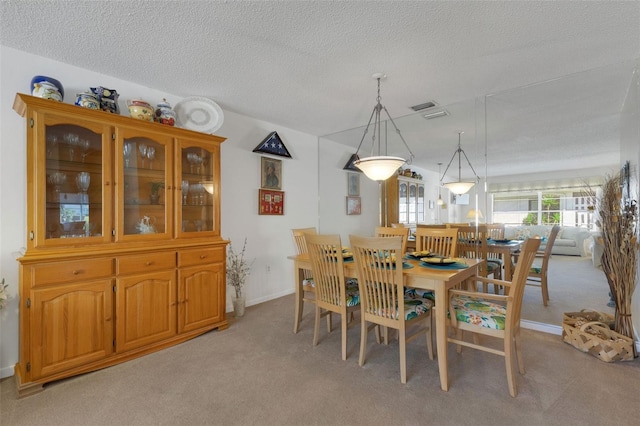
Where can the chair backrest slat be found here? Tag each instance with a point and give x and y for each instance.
(379, 265)
(385, 231)
(301, 245)
(327, 265)
(437, 240)
(525, 260)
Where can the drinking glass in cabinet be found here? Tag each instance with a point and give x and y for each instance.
(84, 145)
(52, 144)
(126, 150)
(151, 154)
(83, 179)
(57, 179)
(72, 141)
(185, 191)
(143, 153)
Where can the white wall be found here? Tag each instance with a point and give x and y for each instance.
(269, 237)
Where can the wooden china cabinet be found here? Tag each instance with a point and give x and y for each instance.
(404, 201)
(124, 254)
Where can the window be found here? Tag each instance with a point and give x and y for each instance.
(563, 207)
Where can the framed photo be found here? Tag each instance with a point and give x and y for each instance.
(354, 205)
(270, 202)
(271, 173)
(353, 184)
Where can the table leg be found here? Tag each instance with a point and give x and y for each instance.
(441, 335)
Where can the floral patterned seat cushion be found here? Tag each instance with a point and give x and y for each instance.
(353, 292)
(308, 282)
(415, 293)
(414, 305)
(477, 311)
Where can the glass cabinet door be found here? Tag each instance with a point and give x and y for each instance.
(72, 203)
(143, 163)
(403, 208)
(199, 187)
(421, 204)
(413, 197)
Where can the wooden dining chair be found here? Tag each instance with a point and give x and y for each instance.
(472, 244)
(398, 225)
(333, 292)
(494, 315)
(442, 241)
(305, 292)
(537, 276)
(384, 304)
(495, 231)
(385, 231)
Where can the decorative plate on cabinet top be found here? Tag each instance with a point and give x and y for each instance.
(199, 114)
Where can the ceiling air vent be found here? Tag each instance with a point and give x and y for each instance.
(423, 106)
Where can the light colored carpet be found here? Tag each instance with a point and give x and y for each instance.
(258, 372)
(574, 284)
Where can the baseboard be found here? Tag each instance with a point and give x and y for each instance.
(553, 329)
(6, 372)
(261, 299)
(539, 326)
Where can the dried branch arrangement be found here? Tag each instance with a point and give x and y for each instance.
(617, 219)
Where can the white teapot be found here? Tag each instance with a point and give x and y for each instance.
(146, 225)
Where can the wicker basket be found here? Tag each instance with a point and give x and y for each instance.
(590, 331)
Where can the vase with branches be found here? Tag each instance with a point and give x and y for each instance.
(617, 219)
(238, 269)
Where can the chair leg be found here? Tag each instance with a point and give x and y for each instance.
(363, 340)
(402, 338)
(509, 361)
(316, 327)
(518, 344)
(459, 336)
(545, 290)
(343, 324)
(329, 323)
(298, 309)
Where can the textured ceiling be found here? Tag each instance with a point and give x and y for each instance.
(307, 65)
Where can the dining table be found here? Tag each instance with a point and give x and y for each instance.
(418, 275)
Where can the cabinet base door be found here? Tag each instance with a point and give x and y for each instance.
(202, 297)
(145, 309)
(70, 326)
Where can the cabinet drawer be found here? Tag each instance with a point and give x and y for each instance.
(200, 256)
(148, 262)
(76, 270)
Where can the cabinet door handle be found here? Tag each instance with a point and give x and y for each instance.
(75, 272)
(149, 263)
(202, 256)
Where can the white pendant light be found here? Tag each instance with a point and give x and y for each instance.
(381, 166)
(459, 187)
(440, 200)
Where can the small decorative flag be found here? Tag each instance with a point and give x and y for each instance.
(272, 144)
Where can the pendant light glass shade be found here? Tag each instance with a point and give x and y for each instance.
(381, 166)
(459, 187)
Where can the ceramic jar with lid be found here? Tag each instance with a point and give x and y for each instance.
(140, 109)
(87, 100)
(47, 88)
(164, 113)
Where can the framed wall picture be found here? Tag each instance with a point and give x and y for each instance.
(270, 202)
(353, 184)
(271, 173)
(354, 205)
